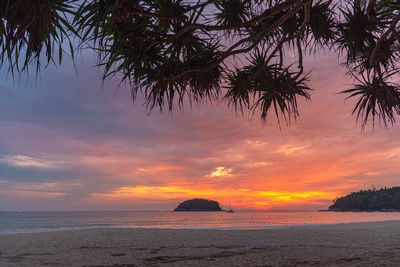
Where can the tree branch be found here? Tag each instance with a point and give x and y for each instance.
(255, 40)
(392, 28)
(306, 20)
(371, 9)
(270, 13)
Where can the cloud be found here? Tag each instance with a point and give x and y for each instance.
(261, 163)
(17, 173)
(26, 161)
(221, 171)
(290, 150)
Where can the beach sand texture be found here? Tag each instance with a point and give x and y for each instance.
(353, 244)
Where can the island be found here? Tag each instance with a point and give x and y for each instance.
(384, 199)
(198, 204)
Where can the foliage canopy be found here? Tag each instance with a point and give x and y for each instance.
(369, 200)
(240, 51)
(198, 204)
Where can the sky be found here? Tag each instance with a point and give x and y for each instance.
(69, 142)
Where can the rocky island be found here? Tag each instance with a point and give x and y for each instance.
(384, 199)
(198, 204)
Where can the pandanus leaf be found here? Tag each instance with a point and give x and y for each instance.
(377, 98)
(355, 33)
(30, 27)
(271, 87)
(231, 12)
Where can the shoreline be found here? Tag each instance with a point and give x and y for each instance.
(360, 244)
(381, 210)
(228, 228)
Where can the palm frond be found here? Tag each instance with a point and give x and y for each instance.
(355, 33)
(231, 12)
(272, 87)
(322, 23)
(29, 27)
(376, 98)
(386, 56)
(239, 89)
(203, 84)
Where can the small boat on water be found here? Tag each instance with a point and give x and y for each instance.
(230, 210)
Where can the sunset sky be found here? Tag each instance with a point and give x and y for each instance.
(69, 143)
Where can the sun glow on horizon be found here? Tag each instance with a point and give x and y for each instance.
(239, 197)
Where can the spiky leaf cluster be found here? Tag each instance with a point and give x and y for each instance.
(156, 54)
(263, 86)
(322, 23)
(368, 37)
(232, 12)
(28, 27)
(356, 32)
(377, 99)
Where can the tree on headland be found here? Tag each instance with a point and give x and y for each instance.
(369, 200)
(198, 204)
(237, 50)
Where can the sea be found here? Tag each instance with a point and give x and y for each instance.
(30, 222)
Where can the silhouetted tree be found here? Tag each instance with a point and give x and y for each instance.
(369, 200)
(198, 204)
(236, 50)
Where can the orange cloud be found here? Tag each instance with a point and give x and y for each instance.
(290, 150)
(221, 171)
(262, 163)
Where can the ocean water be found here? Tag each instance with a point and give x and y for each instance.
(27, 222)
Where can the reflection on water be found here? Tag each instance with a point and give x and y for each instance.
(23, 222)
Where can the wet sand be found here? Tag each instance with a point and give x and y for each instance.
(353, 244)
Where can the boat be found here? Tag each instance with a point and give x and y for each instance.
(230, 210)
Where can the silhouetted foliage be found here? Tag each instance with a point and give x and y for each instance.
(198, 204)
(28, 27)
(369, 200)
(237, 50)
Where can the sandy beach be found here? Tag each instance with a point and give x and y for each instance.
(352, 244)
